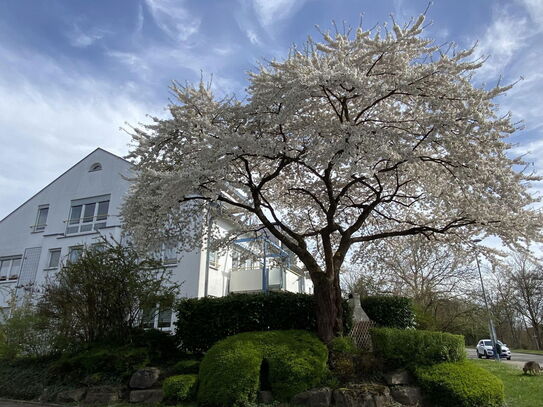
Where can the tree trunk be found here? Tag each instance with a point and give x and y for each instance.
(328, 303)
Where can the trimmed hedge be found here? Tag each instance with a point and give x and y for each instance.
(389, 311)
(289, 362)
(410, 347)
(460, 384)
(203, 322)
(180, 387)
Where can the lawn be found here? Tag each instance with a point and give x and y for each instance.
(520, 390)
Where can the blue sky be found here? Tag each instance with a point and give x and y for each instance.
(72, 72)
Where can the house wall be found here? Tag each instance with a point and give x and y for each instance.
(18, 238)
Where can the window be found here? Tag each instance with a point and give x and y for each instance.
(88, 214)
(95, 167)
(9, 268)
(41, 219)
(54, 258)
(74, 253)
(165, 318)
(158, 317)
(213, 258)
(169, 253)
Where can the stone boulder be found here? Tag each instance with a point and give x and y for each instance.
(406, 395)
(144, 378)
(72, 396)
(102, 395)
(313, 398)
(153, 396)
(363, 395)
(396, 377)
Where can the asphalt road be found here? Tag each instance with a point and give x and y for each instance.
(516, 358)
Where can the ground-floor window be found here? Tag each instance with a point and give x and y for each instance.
(159, 318)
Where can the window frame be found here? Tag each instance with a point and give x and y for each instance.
(72, 249)
(51, 251)
(10, 277)
(80, 220)
(40, 227)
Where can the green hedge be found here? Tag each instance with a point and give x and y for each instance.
(389, 311)
(180, 388)
(202, 322)
(230, 373)
(23, 379)
(460, 384)
(410, 347)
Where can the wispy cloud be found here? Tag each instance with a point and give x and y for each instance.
(80, 39)
(272, 11)
(173, 18)
(50, 123)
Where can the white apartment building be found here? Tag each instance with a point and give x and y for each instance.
(83, 204)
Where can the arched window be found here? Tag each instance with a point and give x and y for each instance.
(95, 167)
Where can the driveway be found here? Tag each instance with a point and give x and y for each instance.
(517, 359)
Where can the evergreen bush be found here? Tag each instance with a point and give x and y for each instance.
(389, 311)
(234, 369)
(185, 367)
(236, 313)
(180, 388)
(102, 360)
(460, 384)
(410, 347)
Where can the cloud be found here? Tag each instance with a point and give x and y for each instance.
(271, 11)
(80, 39)
(173, 19)
(50, 122)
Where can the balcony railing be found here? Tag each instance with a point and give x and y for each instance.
(250, 279)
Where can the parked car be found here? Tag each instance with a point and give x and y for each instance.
(484, 348)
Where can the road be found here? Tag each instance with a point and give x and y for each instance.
(517, 359)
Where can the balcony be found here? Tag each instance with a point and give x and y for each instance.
(250, 280)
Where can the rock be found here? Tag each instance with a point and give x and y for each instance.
(144, 378)
(71, 396)
(265, 397)
(313, 398)
(102, 395)
(363, 395)
(398, 377)
(407, 395)
(146, 396)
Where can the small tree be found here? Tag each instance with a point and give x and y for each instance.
(103, 295)
(366, 135)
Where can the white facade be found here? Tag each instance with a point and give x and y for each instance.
(82, 204)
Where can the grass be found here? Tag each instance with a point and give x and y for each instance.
(520, 390)
(531, 352)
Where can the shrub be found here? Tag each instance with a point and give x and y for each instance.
(460, 385)
(180, 388)
(100, 297)
(185, 367)
(104, 362)
(342, 344)
(161, 346)
(288, 361)
(236, 313)
(410, 347)
(22, 379)
(389, 311)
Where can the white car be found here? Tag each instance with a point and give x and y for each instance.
(484, 348)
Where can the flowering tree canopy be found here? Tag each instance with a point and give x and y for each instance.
(363, 136)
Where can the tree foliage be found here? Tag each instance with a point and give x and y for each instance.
(363, 136)
(101, 296)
